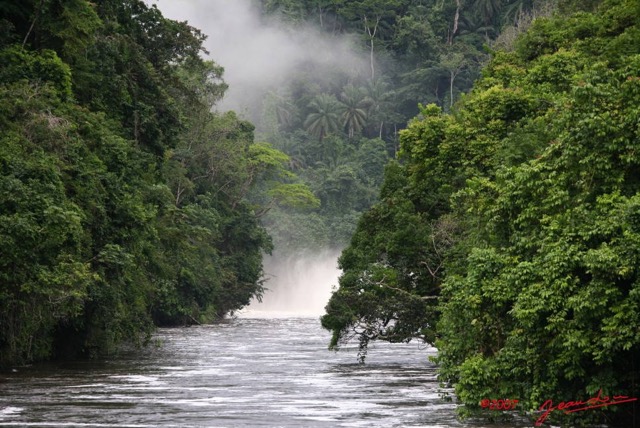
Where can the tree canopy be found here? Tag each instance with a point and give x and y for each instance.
(505, 235)
(412, 53)
(126, 203)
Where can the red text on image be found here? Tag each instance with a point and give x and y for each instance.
(501, 404)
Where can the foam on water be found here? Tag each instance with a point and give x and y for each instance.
(248, 372)
(10, 410)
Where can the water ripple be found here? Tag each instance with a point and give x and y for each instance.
(242, 373)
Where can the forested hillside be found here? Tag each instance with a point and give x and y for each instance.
(123, 198)
(340, 124)
(127, 203)
(507, 231)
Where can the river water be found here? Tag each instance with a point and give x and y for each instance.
(246, 372)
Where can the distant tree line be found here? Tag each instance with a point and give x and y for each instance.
(340, 128)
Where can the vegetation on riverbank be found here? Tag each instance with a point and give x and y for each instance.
(123, 198)
(506, 233)
(505, 229)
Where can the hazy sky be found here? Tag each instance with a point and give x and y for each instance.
(256, 55)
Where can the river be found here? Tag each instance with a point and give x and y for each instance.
(269, 367)
(245, 372)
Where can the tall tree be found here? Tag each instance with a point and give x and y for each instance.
(324, 116)
(373, 15)
(354, 110)
(516, 213)
(488, 10)
(128, 194)
(379, 104)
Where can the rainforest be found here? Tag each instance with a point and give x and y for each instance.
(476, 163)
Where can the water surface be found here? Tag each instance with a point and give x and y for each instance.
(247, 372)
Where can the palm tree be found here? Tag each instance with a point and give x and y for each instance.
(379, 103)
(280, 111)
(285, 114)
(515, 8)
(293, 147)
(474, 23)
(488, 10)
(354, 113)
(323, 120)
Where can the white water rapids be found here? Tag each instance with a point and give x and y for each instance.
(298, 285)
(268, 367)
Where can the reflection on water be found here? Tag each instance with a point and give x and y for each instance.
(247, 372)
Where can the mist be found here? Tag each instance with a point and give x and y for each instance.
(298, 285)
(261, 55)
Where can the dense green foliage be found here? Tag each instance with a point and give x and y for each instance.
(340, 124)
(506, 232)
(124, 199)
(507, 235)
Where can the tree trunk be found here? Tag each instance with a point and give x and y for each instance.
(456, 18)
(33, 24)
(372, 36)
(452, 78)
